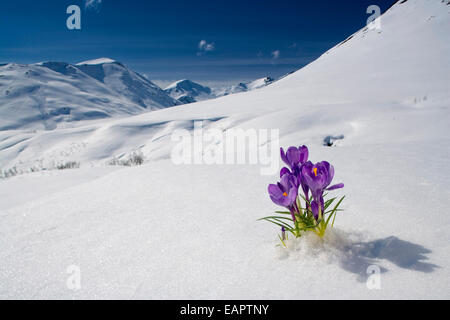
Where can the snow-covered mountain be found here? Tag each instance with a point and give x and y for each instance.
(128, 83)
(46, 94)
(188, 91)
(386, 92)
(243, 87)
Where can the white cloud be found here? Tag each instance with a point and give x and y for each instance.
(276, 54)
(203, 45)
(92, 4)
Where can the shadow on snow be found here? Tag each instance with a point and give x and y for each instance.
(402, 253)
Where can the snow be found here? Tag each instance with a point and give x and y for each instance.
(189, 231)
(259, 83)
(176, 83)
(96, 61)
(129, 84)
(49, 95)
(188, 91)
(243, 87)
(29, 187)
(166, 231)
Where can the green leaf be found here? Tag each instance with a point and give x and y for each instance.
(283, 212)
(333, 212)
(299, 204)
(282, 241)
(332, 223)
(278, 223)
(326, 212)
(329, 202)
(276, 217)
(308, 201)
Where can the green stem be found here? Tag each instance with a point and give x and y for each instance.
(320, 212)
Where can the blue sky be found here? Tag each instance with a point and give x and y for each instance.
(242, 40)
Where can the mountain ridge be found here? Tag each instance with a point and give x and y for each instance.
(32, 94)
(188, 91)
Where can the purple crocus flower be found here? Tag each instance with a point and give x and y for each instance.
(294, 156)
(317, 177)
(304, 154)
(284, 193)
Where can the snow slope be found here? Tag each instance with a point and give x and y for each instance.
(190, 231)
(187, 91)
(243, 87)
(259, 83)
(43, 95)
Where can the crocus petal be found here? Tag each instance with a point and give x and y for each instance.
(315, 209)
(330, 174)
(304, 154)
(283, 156)
(292, 195)
(284, 193)
(301, 179)
(276, 195)
(281, 187)
(280, 199)
(294, 181)
(274, 190)
(293, 157)
(336, 186)
(326, 171)
(284, 171)
(313, 182)
(277, 201)
(287, 180)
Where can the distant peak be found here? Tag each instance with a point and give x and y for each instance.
(97, 61)
(176, 83)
